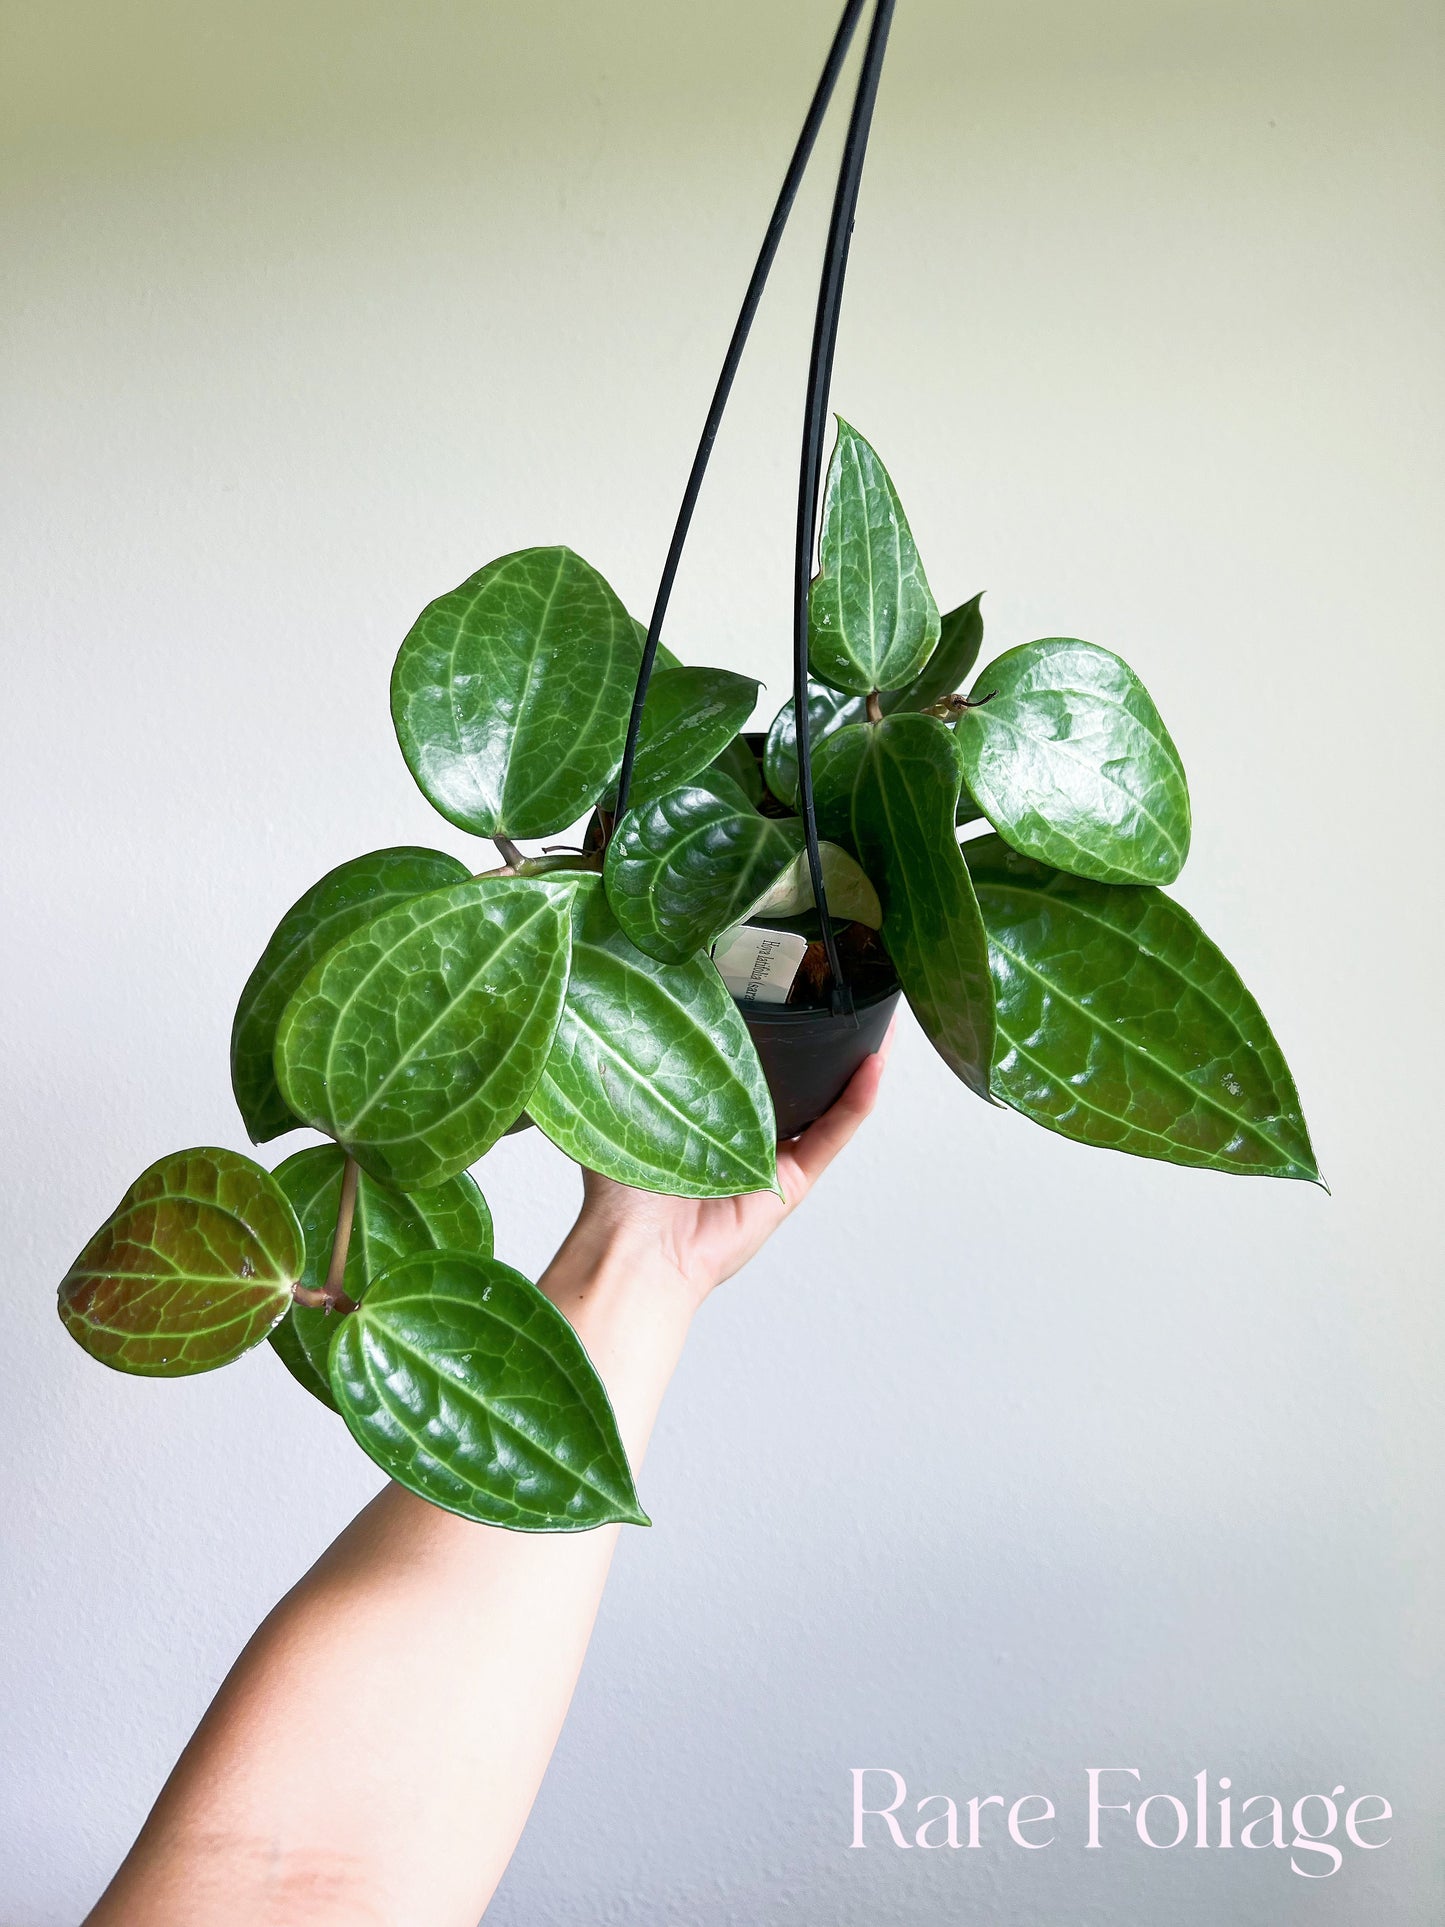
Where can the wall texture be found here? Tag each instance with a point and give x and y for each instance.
(1007, 1458)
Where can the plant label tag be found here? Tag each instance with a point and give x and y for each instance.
(758, 966)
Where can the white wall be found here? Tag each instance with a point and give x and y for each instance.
(1007, 1458)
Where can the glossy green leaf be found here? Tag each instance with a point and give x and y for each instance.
(194, 1267)
(1120, 1024)
(653, 1079)
(344, 899)
(1069, 761)
(690, 717)
(685, 867)
(466, 1385)
(739, 766)
(388, 1226)
(946, 671)
(417, 1040)
(873, 622)
(890, 789)
(829, 710)
(511, 695)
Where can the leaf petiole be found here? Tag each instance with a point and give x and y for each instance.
(332, 1296)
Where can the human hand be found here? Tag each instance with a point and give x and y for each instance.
(706, 1240)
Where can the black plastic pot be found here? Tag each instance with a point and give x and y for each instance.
(809, 1055)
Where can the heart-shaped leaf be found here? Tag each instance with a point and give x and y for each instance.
(1120, 1024)
(417, 1040)
(690, 716)
(739, 766)
(890, 789)
(873, 622)
(1069, 761)
(466, 1385)
(946, 671)
(687, 866)
(194, 1267)
(388, 1226)
(653, 1079)
(344, 899)
(510, 695)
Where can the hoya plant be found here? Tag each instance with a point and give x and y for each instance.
(412, 1009)
(665, 897)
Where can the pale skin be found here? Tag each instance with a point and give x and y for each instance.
(374, 1752)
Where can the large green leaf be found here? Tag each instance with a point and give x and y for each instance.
(510, 695)
(388, 1226)
(194, 1267)
(1069, 761)
(959, 641)
(891, 790)
(1120, 1024)
(466, 1385)
(653, 1079)
(417, 1040)
(872, 618)
(344, 899)
(690, 717)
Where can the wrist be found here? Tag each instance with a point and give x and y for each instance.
(632, 1310)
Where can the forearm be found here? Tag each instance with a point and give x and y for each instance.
(434, 1658)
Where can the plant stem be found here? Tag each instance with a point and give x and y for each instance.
(331, 1296)
(875, 708)
(510, 853)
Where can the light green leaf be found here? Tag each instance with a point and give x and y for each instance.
(851, 897)
(690, 717)
(890, 790)
(1120, 1024)
(653, 1079)
(344, 899)
(873, 622)
(467, 1386)
(690, 864)
(511, 695)
(194, 1267)
(388, 1226)
(1069, 761)
(417, 1040)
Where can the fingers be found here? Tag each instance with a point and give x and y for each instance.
(816, 1149)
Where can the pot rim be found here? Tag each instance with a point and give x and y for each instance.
(789, 1015)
